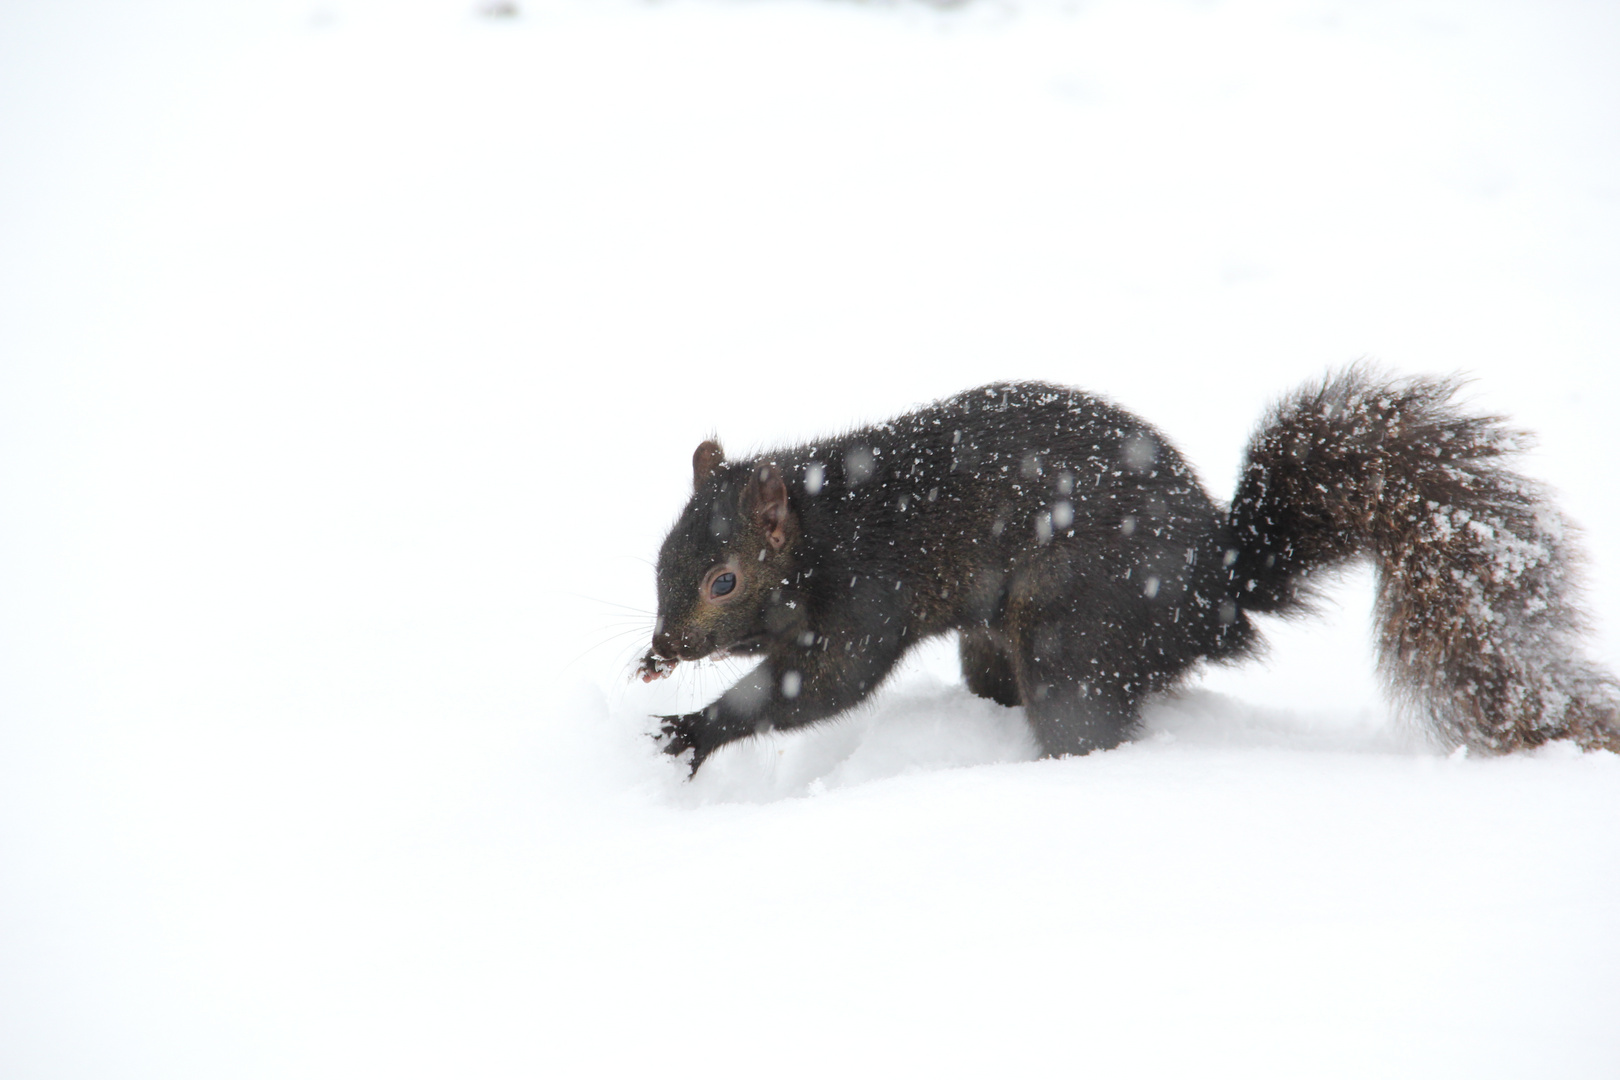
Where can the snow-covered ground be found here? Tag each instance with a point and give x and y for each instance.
(351, 359)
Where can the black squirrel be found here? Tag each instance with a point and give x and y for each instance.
(1084, 567)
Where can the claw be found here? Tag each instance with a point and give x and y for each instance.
(675, 737)
(669, 735)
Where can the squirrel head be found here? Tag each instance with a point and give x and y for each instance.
(722, 565)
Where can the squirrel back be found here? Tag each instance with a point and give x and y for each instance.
(1083, 565)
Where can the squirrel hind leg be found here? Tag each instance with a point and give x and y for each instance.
(987, 668)
(1073, 708)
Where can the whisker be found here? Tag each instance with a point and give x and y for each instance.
(611, 603)
(610, 637)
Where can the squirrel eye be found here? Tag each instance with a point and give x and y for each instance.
(723, 584)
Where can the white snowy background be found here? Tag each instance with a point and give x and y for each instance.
(351, 359)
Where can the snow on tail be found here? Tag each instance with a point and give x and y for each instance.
(1479, 619)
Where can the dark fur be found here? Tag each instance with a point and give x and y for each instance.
(1085, 567)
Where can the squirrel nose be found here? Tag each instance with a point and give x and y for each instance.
(682, 643)
(663, 645)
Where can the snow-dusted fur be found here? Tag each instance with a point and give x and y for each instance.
(1084, 568)
(1479, 620)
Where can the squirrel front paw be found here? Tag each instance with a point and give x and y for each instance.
(678, 734)
(653, 667)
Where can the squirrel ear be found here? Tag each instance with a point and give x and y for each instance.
(765, 499)
(705, 459)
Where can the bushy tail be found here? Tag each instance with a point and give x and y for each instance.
(1480, 624)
